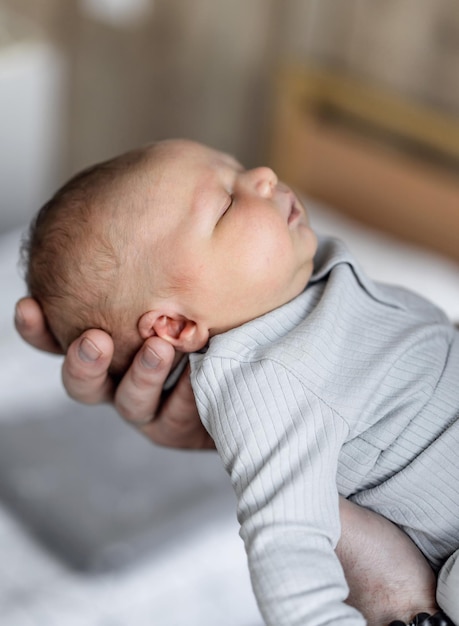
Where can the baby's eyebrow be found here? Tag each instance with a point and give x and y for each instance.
(230, 160)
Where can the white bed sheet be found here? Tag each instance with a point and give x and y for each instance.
(391, 260)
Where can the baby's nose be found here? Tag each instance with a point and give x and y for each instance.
(264, 180)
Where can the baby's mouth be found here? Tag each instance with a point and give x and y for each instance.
(288, 204)
(295, 211)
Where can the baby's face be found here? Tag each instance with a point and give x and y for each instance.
(238, 239)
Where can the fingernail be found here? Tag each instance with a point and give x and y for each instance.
(88, 351)
(18, 316)
(150, 359)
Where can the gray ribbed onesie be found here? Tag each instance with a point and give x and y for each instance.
(350, 388)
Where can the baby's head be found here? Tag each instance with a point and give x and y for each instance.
(174, 239)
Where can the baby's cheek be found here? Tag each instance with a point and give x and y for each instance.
(271, 263)
(269, 241)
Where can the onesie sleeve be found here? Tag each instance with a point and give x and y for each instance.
(279, 444)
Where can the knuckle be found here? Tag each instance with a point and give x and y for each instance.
(132, 411)
(75, 377)
(140, 380)
(84, 388)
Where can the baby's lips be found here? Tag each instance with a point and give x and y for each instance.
(285, 201)
(295, 211)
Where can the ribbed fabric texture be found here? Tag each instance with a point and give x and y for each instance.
(351, 388)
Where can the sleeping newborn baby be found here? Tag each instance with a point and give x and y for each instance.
(313, 381)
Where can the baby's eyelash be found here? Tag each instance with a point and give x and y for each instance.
(228, 206)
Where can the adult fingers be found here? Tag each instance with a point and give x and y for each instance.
(177, 423)
(85, 368)
(138, 395)
(30, 324)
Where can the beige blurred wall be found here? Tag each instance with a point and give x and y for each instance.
(203, 68)
(411, 46)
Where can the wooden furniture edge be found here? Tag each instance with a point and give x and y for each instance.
(370, 181)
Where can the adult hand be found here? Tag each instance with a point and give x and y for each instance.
(169, 420)
(388, 577)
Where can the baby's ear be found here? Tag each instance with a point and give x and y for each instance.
(184, 334)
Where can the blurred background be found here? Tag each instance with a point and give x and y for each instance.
(96, 526)
(85, 79)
